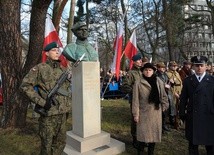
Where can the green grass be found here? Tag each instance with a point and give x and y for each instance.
(115, 120)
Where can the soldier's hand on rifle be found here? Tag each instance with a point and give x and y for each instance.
(48, 104)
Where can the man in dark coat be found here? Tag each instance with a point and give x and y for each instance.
(197, 107)
(161, 73)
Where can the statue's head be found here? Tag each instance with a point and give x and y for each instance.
(80, 30)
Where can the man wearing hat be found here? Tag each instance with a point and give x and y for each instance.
(74, 51)
(185, 71)
(176, 86)
(197, 107)
(52, 122)
(127, 86)
(161, 73)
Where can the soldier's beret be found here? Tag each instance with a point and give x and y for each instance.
(136, 57)
(78, 25)
(161, 65)
(199, 60)
(173, 63)
(148, 65)
(50, 46)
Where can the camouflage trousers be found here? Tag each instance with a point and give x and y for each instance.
(52, 131)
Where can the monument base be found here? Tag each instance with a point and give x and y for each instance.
(100, 144)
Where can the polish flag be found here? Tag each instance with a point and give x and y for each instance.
(131, 48)
(52, 36)
(118, 45)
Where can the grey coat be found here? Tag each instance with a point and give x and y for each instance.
(149, 127)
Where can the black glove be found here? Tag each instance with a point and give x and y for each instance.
(48, 104)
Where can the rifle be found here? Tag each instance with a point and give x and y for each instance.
(51, 96)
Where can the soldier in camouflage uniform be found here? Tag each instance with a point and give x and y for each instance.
(74, 51)
(133, 75)
(52, 127)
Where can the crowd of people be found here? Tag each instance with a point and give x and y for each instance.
(157, 92)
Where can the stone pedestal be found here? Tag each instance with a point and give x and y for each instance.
(86, 138)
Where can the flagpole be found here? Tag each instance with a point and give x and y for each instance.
(107, 86)
(123, 17)
(122, 55)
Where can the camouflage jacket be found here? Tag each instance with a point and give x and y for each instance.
(133, 75)
(44, 77)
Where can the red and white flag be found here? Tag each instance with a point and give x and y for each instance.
(118, 45)
(52, 36)
(131, 48)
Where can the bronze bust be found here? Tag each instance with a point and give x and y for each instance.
(74, 51)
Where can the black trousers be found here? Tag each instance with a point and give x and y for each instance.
(133, 126)
(193, 149)
(142, 145)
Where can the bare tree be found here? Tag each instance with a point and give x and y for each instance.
(210, 5)
(104, 21)
(15, 104)
(151, 24)
(10, 40)
(57, 12)
(70, 21)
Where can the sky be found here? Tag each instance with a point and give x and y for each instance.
(25, 18)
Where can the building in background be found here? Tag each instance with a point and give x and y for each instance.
(196, 37)
(199, 38)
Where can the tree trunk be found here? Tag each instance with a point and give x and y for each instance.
(37, 28)
(10, 61)
(15, 104)
(57, 12)
(70, 22)
(123, 59)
